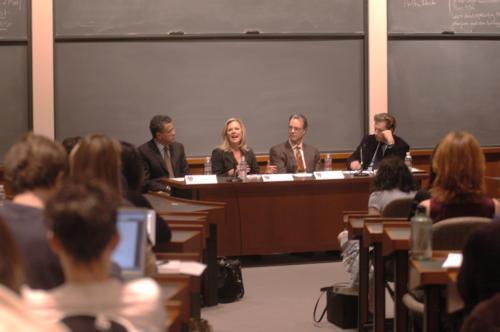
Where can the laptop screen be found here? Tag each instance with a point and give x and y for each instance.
(132, 225)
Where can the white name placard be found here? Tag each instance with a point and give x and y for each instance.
(200, 179)
(328, 175)
(277, 177)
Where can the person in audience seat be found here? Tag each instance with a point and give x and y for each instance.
(478, 279)
(82, 221)
(14, 315)
(132, 173)
(458, 189)
(34, 167)
(393, 181)
(98, 157)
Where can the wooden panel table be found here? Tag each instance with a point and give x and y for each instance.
(372, 236)
(432, 277)
(183, 210)
(282, 217)
(396, 243)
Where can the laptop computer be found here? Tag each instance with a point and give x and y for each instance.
(133, 224)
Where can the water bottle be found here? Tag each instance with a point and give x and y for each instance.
(207, 166)
(328, 162)
(408, 160)
(421, 235)
(243, 169)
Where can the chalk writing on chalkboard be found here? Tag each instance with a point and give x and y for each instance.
(7, 10)
(419, 3)
(470, 14)
(464, 15)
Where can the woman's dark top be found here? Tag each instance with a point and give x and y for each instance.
(479, 275)
(481, 206)
(163, 233)
(224, 161)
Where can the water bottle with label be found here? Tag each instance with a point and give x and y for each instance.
(207, 166)
(408, 160)
(421, 235)
(242, 171)
(328, 162)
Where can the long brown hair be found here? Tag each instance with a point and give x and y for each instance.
(97, 157)
(459, 165)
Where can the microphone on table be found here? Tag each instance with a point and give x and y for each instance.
(235, 177)
(359, 172)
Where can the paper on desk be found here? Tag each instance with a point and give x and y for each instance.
(327, 175)
(453, 260)
(277, 177)
(200, 179)
(176, 266)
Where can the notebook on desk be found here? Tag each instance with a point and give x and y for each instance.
(133, 224)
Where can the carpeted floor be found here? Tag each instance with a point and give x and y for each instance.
(278, 298)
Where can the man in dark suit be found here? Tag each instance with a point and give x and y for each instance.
(294, 155)
(374, 148)
(162, 156)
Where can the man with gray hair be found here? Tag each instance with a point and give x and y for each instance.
(294, 156)
(374, 148)
(162, 156)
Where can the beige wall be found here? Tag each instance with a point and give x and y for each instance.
(377, 58)
(43, 67)
(43, 75)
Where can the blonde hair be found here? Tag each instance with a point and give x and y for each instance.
(459, 165)
(389, 120)
(97, 157)
(225, 145)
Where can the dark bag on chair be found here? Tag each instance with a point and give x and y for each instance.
(229, 280)
(341, 306)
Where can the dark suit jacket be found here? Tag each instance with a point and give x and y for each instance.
(479, 276)
(369, 145)
(224, 161)
(154, 164)
(283, 157)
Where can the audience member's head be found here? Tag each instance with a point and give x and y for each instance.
(234, 135)
(34, 162)
(132, 168)
(11, 269)
(393, 174)
(97, 157)
(82, 219)
(459, 165)
(70, 142)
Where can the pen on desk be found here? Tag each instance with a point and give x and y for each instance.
(448, 32)
(252, 32)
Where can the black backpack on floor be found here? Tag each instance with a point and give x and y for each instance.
(229, 280)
